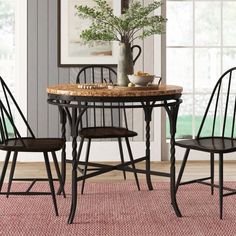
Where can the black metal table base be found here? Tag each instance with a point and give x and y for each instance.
(104, 168)
(171, 105)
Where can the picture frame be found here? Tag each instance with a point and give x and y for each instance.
(71, 51)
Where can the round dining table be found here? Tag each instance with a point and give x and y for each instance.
(74, 99)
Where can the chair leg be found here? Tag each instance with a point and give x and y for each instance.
(13, 166)
(54, 157)
(212, 173)
(182, 169)
(50, 180)
(79, 154)
(63, 168)
(221, 184)
(86, 165)
(4, 169)
(74, 178)
(121, 155)
(132, 161)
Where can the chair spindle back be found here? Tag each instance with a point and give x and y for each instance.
(8, 112)
(104, 116)
(220, 114)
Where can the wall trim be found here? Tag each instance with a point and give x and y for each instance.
(21, 62)
(108, 151)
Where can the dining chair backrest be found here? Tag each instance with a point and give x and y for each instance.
(96, 74)
(220, 114)
(9, 109)
(115, 115)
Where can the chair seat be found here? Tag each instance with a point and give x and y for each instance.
(33, 145)
(210, 144)
(106, 132)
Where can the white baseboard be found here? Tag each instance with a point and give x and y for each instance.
(100, 151)
(109, 151)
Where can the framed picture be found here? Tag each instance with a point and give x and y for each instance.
(72, 51)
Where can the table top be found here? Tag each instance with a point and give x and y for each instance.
(116, 91)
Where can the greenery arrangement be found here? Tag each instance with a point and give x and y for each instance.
(137, 21)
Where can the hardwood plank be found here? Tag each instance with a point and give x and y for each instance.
(194, 169)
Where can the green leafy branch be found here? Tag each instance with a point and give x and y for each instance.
(136, 22)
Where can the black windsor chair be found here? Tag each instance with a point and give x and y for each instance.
(110, 125)
(12, 141)
(216, 134)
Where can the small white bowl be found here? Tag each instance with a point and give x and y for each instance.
(141, 80)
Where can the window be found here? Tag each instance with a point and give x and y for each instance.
(7, 38)
(200, 46)
(13, 50)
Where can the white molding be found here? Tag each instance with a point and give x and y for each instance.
(108, 151)
(21, 61)
(157, 111)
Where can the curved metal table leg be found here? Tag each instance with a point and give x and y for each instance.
(63, 151)
(74, 134)
(74, 183)
(172, 114)
(148, 117)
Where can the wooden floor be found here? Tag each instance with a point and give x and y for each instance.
(194, 169)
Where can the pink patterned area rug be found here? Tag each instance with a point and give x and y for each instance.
(112, 209)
